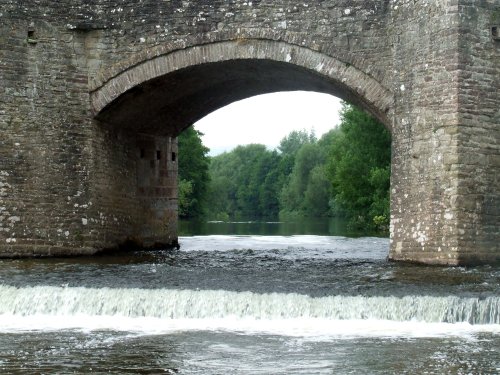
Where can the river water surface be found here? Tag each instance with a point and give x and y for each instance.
(249, 304)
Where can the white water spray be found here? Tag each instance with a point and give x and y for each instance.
(166, 310)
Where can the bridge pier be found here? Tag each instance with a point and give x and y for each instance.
(157, 191)
(444, 202)
(119, 190)
(132, 192)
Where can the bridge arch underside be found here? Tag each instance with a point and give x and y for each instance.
(150, 103)
(168, 104)
(166, 94)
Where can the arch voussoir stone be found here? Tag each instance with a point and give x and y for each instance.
(346, 77)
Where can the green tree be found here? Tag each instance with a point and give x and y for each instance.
(271, 186)
(193, 174)
(307, 192)
(185, 201)
(317, 193)
(359, 168)
(245, 183)
(289, 147)
(220, 204)
(345, 172)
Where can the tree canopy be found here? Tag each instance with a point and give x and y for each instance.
(344, 173)
(359, 168)
(193, 176)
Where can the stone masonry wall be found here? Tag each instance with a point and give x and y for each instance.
(478, 160)
(444, 194)
(45, 140)
(425, 87)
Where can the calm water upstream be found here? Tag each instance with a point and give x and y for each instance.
(316, 303)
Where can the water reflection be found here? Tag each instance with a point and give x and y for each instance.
(310, 226)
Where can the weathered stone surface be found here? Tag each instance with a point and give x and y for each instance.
(93, 94)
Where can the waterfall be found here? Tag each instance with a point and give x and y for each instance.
(74, 304)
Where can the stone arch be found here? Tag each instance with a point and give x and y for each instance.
(149, 101)
(234, 70)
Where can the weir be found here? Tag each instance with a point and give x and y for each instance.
(176, 305)
(94, 94)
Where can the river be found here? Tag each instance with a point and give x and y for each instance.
(240, 302)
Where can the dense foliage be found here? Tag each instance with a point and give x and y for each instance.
(245, 184)
(359, 169)
(193, 174)
(344, 173)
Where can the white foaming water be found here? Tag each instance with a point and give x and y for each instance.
(164, 310)
(342, 247)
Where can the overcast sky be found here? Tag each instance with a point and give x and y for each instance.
(266, 119)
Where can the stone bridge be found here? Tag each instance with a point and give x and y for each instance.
(94, 93)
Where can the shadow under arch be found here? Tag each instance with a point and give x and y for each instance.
(164, 94)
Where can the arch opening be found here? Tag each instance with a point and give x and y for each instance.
(152, 102)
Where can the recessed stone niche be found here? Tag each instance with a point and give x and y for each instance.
(495, 32)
